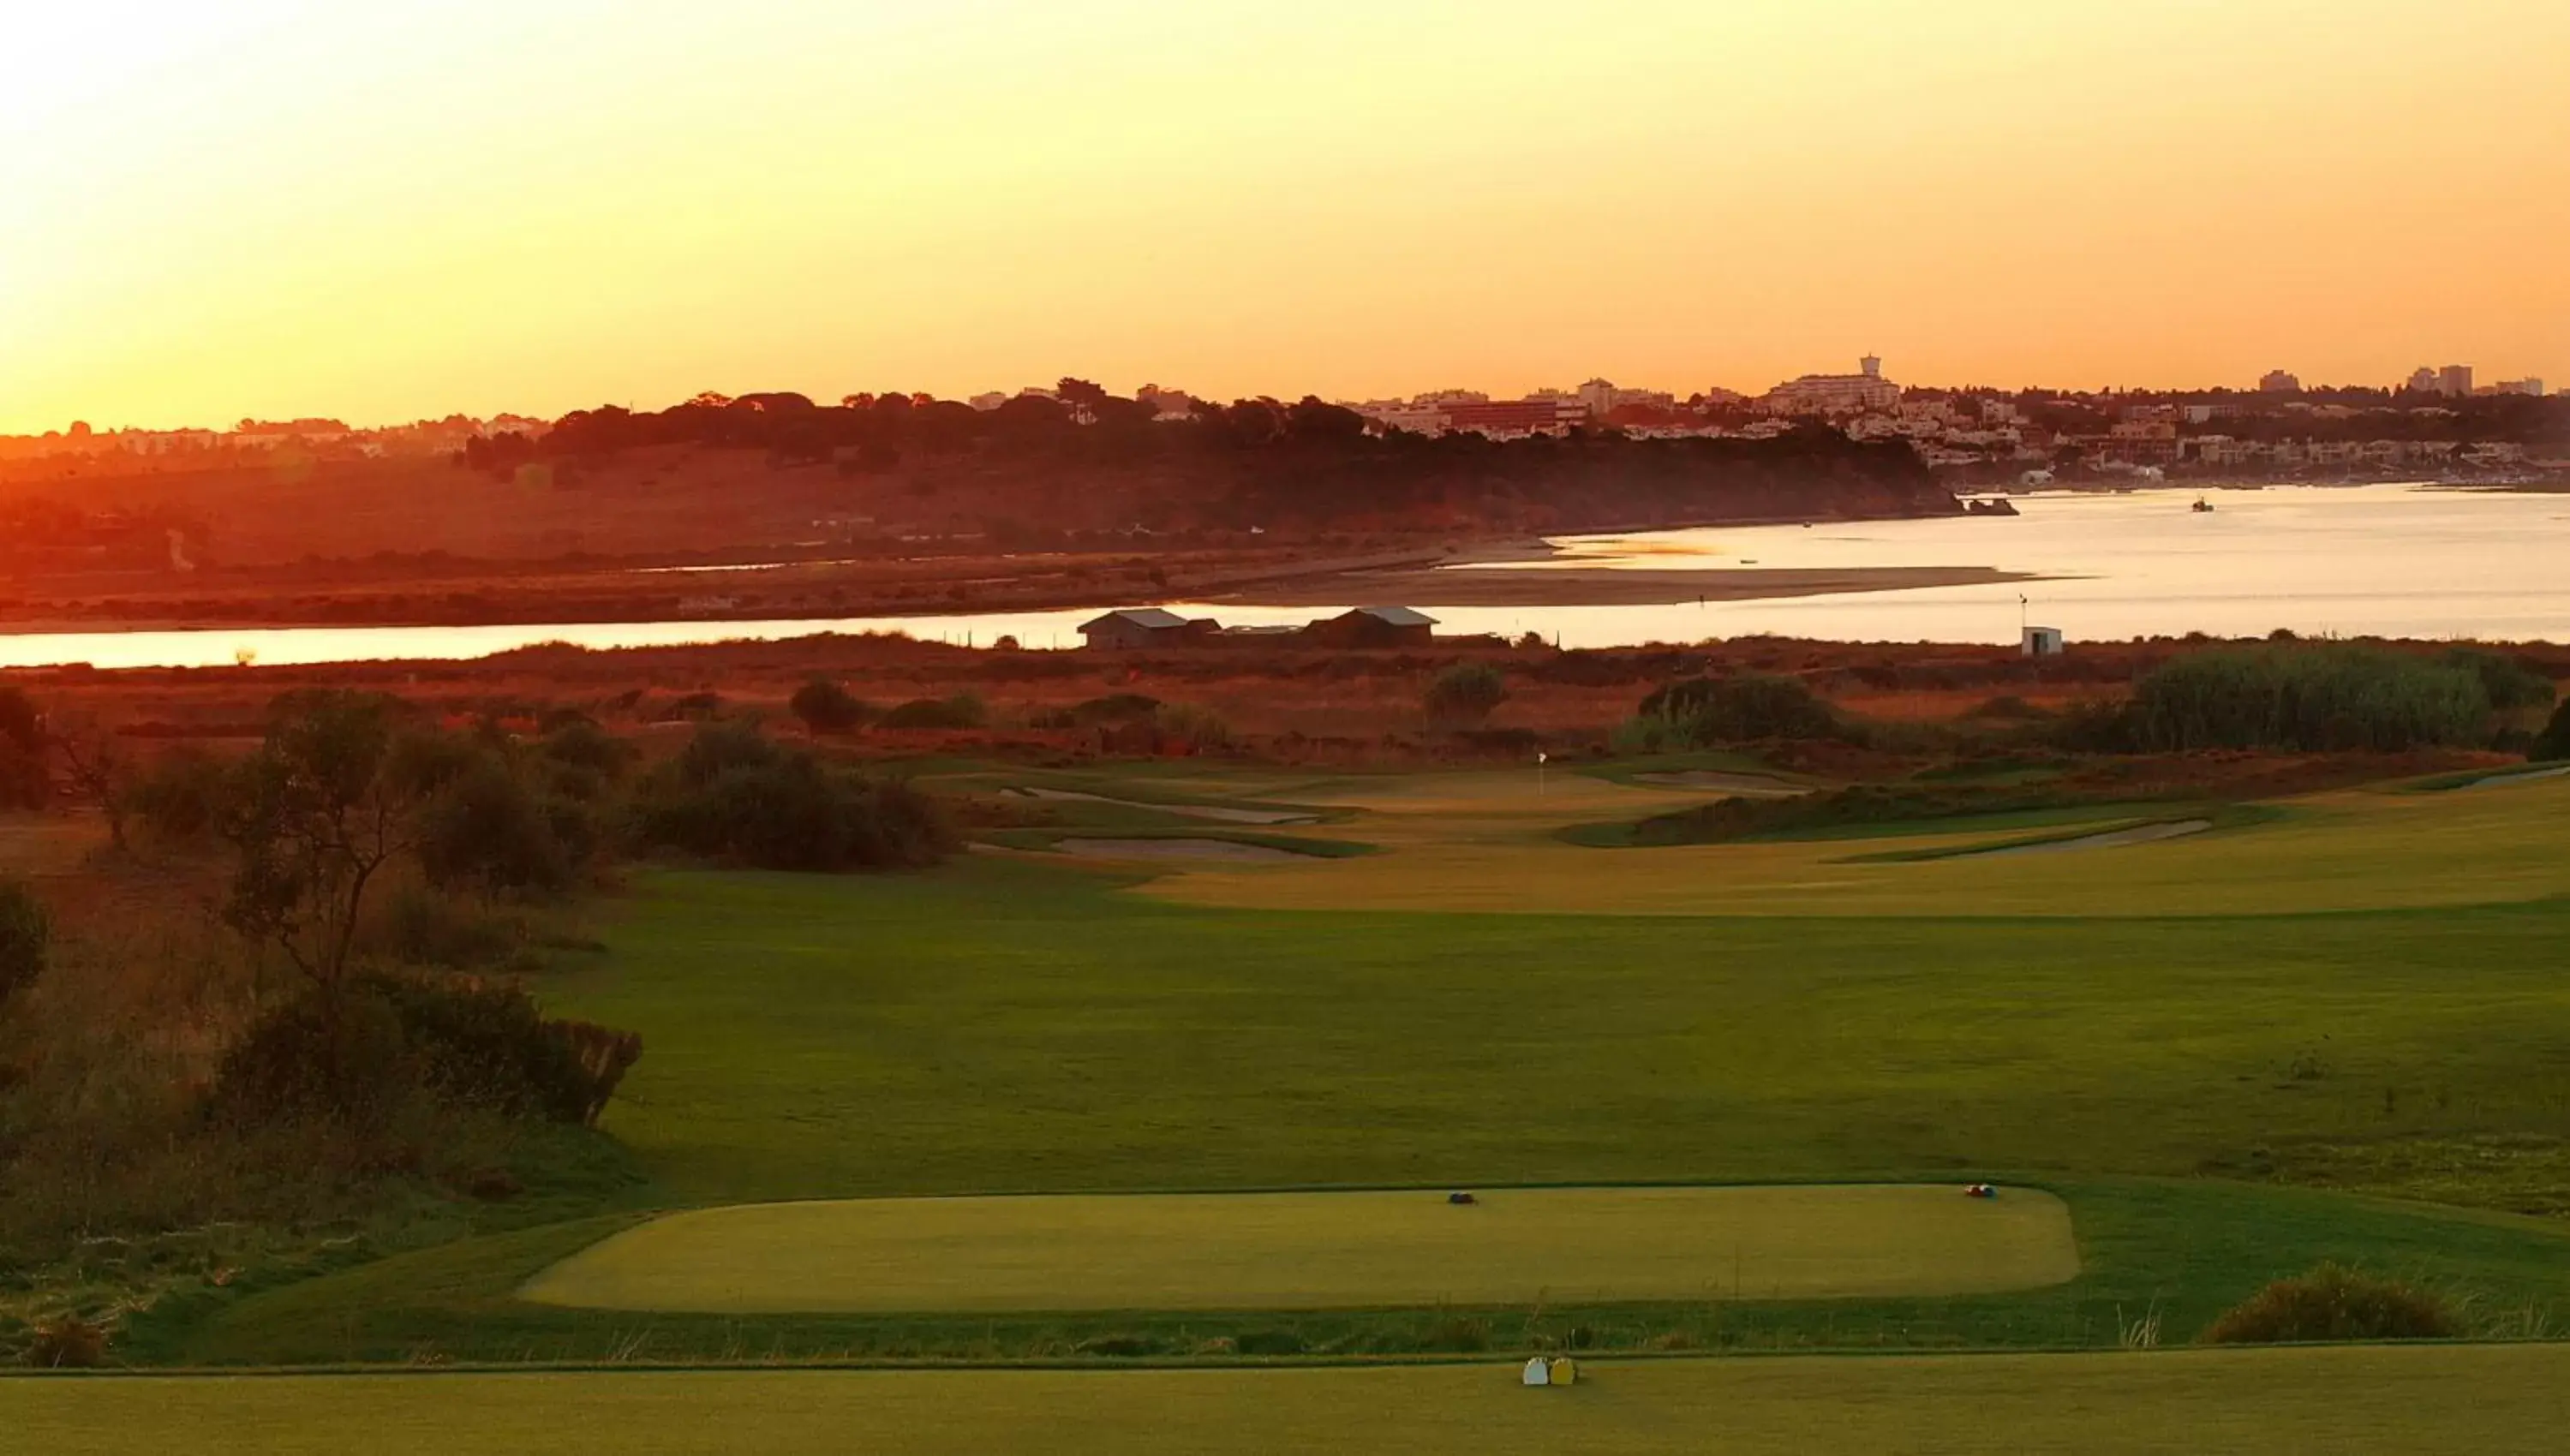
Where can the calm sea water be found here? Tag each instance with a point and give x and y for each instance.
(2380, 560)
(2389, 560)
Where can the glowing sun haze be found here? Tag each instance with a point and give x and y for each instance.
(386, 210)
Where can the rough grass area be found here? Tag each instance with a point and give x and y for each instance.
(1323, 1250)
(1856, 811)
(2381, 1400)
(2104, 833)
(1489, 843)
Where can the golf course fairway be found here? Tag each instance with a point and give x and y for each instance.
(2375, 1400)
(1321, 1251)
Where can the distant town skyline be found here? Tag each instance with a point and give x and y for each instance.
(382, 212)
(1869, 386)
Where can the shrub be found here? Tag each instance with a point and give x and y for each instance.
(2091, 726)
(332, 1052)
(179, 800)
(486, 1045)
(584, 757)
(2554, 741)
(732, 793)
(1706, 712)
(1115, 708)
(2334, 1302)
(2008, 707)
(358, 1053)
(2511, 685)
(419, 927)
(827, 709)
(26, 936)
(487, 830)
(68, 1342)
(1465, 694)
(2316, 698)
(695, 707)
(1198, 728)
(24, 784)
(962, 710)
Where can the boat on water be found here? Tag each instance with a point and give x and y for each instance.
(2203, 507)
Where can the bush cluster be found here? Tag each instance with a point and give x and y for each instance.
(24, 783)
(2308, 697)
(26, 938)
(180, 798)
(358, 1052)
(2512, 686)
(2334, 1302)
(963, 710)
(2554, 741)
(1098, 712)
(828, 709)
(734, 795)
(1465, 694)
(1193, 727)
(1711, 712)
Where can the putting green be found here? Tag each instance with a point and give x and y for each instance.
(1321, 1251)
(2372, 1399)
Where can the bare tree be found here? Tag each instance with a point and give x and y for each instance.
(94, 765)
(323, 807)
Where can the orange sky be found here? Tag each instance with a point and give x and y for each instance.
(280, 207)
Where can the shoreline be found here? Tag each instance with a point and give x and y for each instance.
(1036, 582)
(1618, 586)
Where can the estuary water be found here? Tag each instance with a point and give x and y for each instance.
(2384, 560)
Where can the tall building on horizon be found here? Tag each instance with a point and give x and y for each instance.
(2455, 381)
(1835, 394)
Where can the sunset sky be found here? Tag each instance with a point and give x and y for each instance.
(393, 209)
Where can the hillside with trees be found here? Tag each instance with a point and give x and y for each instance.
(1090, 460)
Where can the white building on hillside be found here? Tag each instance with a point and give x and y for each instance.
(1834, 395)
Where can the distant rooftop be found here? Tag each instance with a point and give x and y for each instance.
(1151, 617)
(1399, 616)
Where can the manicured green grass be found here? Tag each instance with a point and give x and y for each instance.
(1323, 1250)
(2374, 1399)
(2179, 1251)
(1004, 1025)
(1001, 1026)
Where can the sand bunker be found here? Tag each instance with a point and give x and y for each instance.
(2527, 776)
(2139, 833)
(1226, 851)
(1214, 811)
